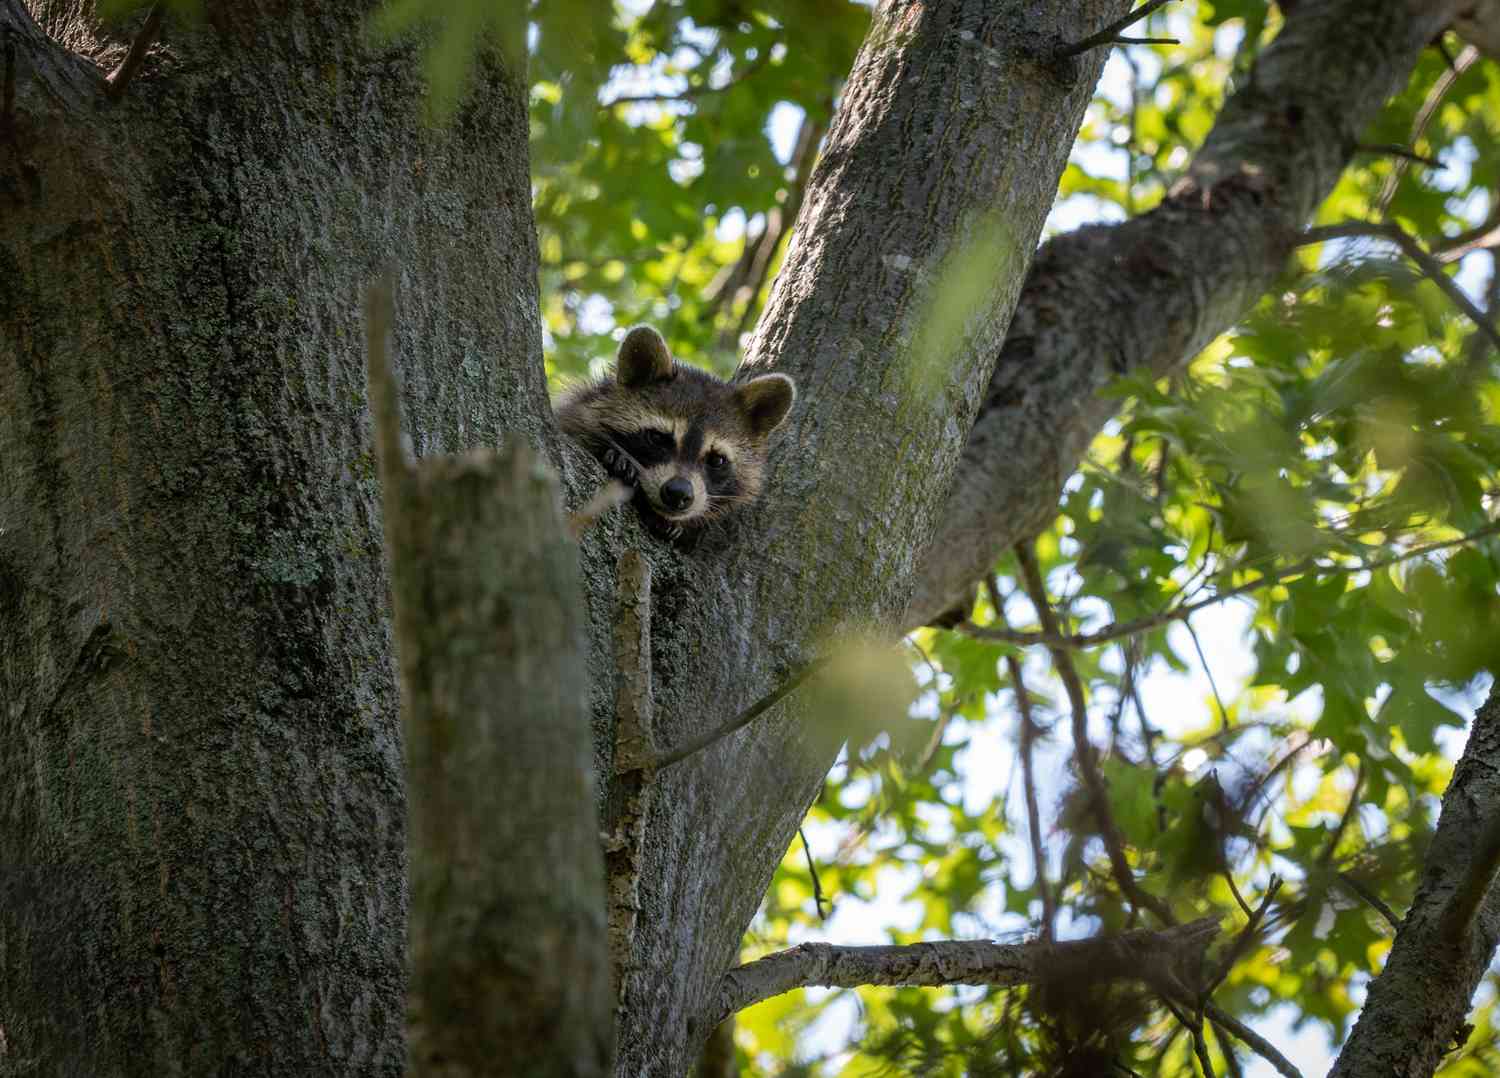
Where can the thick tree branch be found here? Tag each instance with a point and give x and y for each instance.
(1148, 294)
(863, 319)
(1158, 958)
(1416, 1008)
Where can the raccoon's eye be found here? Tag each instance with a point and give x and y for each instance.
(716, 460)
(660, 439)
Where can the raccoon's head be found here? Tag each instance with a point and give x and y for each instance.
(698, 442)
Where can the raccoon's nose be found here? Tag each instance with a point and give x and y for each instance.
(677, 494)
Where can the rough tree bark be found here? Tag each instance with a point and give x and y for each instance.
(1415, 1010)
(200, 770)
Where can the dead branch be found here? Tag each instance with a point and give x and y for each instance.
(1144, 955)
(1110, 35)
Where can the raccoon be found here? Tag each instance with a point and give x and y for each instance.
(692, 446)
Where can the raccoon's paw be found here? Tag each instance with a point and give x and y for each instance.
(621, 467)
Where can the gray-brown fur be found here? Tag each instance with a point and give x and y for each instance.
(693, 445)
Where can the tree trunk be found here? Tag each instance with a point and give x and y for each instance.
(508, 967)
(201, 829)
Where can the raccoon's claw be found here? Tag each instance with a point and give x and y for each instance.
(619, 466)
(674, 532)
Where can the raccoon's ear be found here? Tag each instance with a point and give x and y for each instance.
(766, 401)
(643, 358)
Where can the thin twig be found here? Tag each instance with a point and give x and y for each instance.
(1326, 857)
(945, 714)
(1027, 638)
(1083, 749)
(1250, 796)
(1430, 266)
(1111, 33)
(809, 137)
(1374, 901)
(1395, 149)
(1424, 116)
(1256, 1043)
(121, 76)
(1187, 624)
(692, 93)
(1122, 40)
(1242, 941)
(1482, 236)
(744, 718)
(818, 900)
(1231, 1061)
(1028, 774)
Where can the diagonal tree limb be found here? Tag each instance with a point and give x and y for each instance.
(1416, 1008)
(1148, 294)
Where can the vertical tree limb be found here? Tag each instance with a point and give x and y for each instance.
(629, 800)
(506, 950)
